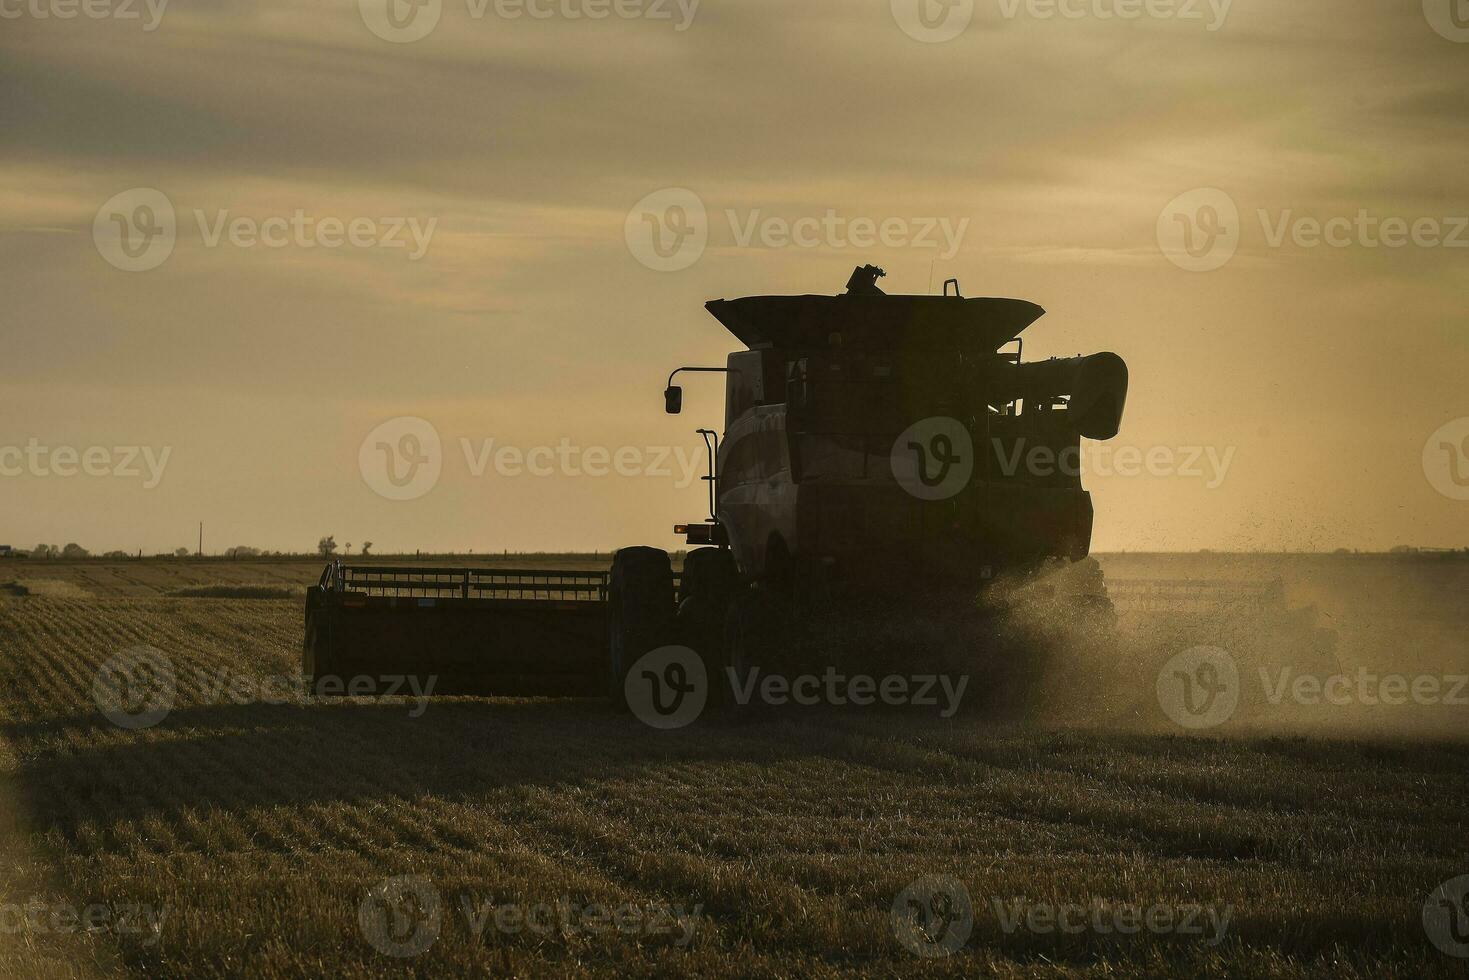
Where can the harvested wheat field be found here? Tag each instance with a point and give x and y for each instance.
(251, 830)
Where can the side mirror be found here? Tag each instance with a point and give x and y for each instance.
(673, 399)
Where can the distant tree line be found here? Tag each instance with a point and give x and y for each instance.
(327, 546)
(72, 550)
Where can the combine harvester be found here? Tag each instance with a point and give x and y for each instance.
(874, 446)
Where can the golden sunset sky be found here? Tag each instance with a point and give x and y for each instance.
(1059, 144)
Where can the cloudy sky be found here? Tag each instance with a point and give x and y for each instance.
(237, 238)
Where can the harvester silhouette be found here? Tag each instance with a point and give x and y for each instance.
(873, 445)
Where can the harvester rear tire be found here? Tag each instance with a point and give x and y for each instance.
(639, 611)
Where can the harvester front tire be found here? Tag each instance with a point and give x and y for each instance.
(706, 588)
(752, 637)
(708, 572)
(639, 611)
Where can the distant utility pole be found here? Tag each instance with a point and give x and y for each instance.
(201, 539)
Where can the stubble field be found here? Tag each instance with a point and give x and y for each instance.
(256, 832)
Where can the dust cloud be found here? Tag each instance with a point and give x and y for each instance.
(1342, 645)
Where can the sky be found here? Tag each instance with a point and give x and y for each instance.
(249, 251)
